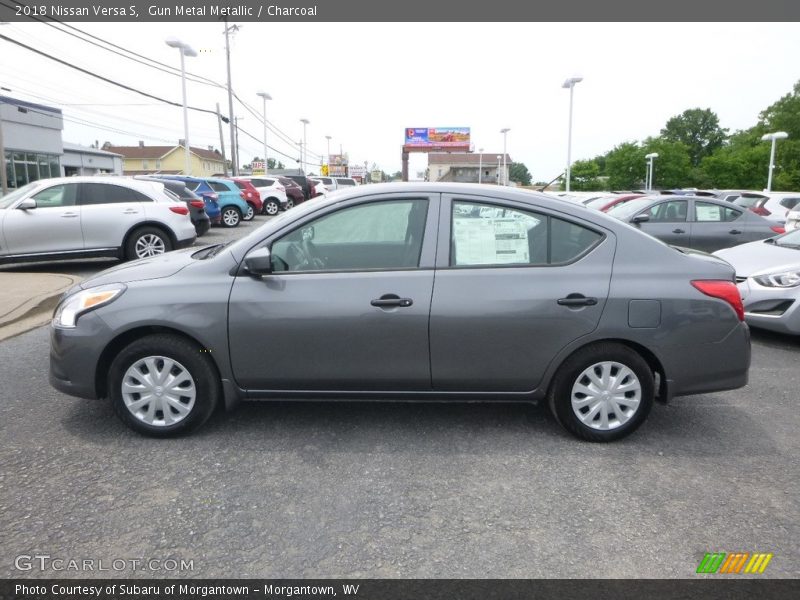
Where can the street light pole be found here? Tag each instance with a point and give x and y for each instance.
(304, 154)
(649, 178)
(234, 149)
(778, 135)
(498, 169)
(480, 164)
(265, 96)
(504, 131)
(185, 50)
(570, 83)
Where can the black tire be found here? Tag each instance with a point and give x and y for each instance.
(251, 213)
(202, 227)
(602, 356)
(271, 207)
(190, 358)
(289, 203)
(145, 242)
(231, 216)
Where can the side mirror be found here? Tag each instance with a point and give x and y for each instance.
(27, 204)
(642, 218)
(258, 262)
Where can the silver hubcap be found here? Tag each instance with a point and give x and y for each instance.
(158, 390)
(272, 208)
(606, 395)
(289, 204)
(231, 217)
(149, 245)
(250, 213)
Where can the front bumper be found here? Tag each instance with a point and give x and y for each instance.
(75, 355)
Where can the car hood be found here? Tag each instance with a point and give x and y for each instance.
(154, 267)
(755, 257)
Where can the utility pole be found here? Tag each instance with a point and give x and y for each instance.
(236, 128)
(234, 153)
(222, 143)
(3, 172)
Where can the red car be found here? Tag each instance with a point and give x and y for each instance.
(293, 190)
(606, 203)
(251, 196)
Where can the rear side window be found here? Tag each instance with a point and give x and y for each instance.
(705, 212)
(489, 235)
(669, 212)
(218, 187)
(790, 203)
(240, 185)
(345, 181)
(105, 193)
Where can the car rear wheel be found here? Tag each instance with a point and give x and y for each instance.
(162, 385)
(289, 203)
(602, 393)
(231, 216)
(271, 207)
(251, 213)
(145, 242)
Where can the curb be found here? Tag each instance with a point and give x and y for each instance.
(29, 312)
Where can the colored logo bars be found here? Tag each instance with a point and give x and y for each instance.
(720, 562)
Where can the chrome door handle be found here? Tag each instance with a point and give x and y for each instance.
(69, 215)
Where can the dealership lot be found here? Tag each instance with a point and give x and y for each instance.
(395, 490)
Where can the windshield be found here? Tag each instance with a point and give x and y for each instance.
(791, 239)
(12, 197)
(628, 209)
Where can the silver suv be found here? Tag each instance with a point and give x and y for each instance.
(77, 217)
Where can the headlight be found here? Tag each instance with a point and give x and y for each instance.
(74, 306)
(786, 279)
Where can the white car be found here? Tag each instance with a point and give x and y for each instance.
(273, 194)
(793, 219)
(317, 187)
(78, 217)
(774, 206)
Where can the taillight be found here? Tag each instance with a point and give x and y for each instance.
(778, 228)
(181, 210)
(197, 203)
(243, 196)
(760, 210)
(210, 196)
(724, 290)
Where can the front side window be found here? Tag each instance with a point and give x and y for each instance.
(669, 212)
(56, 196)
(490, 235)
(705, 212)
(377, 235)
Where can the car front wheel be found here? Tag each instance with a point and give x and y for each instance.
(146, 242)
(162, 385)
(603, 392)
(231, 216)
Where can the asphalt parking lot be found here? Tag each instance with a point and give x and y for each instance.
(378, 490)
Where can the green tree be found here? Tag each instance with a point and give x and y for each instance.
(672, 168)
(625, 167)
(698, 129)
(740, 164)
(519, 172)
(585, 176)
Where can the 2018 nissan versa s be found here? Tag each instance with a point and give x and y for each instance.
(410, 292)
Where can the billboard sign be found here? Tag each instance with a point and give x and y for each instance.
(437, 137)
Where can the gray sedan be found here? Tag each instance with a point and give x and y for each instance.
(409, 292)
(695, 222)
(768, 274)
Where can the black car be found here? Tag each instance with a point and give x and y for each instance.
(197, 210)
(298, 176)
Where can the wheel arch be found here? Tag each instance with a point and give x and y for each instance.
(113, 348)
(655, 364)
(155, 224)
